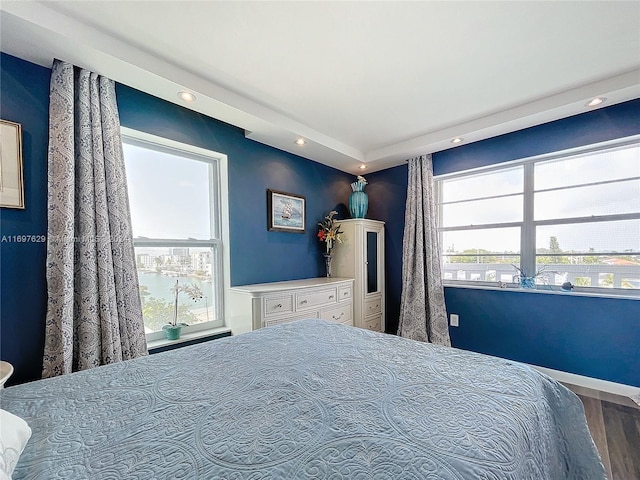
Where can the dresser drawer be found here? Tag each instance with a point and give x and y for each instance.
(373, 323)
(373, 306)
(278, 305)
(344, 293)
(270, 322)
(341, 314)
(316, 298)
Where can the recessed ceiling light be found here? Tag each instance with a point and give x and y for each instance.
(595, 102)
(457, 140)
(300, 141)
(187, 96)
(362, 167)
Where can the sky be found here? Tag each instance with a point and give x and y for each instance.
(162, 187)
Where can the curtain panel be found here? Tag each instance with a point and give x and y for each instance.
(94, 313)
(423, 315)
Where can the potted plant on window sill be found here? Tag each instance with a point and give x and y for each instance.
(529, 281)
(172, 330)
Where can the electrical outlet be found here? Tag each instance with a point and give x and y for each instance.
(454, 320)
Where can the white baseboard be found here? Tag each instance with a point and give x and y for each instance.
(592, 383)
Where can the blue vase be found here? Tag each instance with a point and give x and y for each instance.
(527, 282)
(327, 263)
(358, 200)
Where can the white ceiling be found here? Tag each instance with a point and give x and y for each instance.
(363, 82)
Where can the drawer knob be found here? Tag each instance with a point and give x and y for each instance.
(303, 302)
(330, 297)
(338, 317)
(279, 305)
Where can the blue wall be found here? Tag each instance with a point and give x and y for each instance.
(595, 337)
(24, 98)
(387, 192)
(257, 255)
(617, 121)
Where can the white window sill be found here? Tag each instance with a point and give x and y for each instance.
(543, 289)
(187, 337)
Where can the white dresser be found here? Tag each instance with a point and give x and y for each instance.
(266, 304)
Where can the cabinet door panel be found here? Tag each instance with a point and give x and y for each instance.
(372, 261)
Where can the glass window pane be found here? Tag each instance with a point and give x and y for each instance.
(492, 268)
(608, 199)
(482, 241)
(597, 237)
(479, 212)
(605, 271)
(482, 185)
(169, 194)
(586, 186)
(158, 270)
(613, 164)
(481, 255)
(372, 262)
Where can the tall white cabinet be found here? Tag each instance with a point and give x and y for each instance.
(361, 256)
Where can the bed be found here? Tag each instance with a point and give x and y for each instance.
(309, 399)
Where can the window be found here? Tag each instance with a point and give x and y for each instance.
(176, 199)
(568, 217)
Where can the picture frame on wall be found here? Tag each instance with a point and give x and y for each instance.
(286, 212)
(11, 171)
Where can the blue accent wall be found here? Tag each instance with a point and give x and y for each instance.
(591, 336)
(257, 255)
(24, 98)
(387, 192)
(616, 121)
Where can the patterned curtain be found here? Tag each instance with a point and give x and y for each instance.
(423, 315)
(94, 314)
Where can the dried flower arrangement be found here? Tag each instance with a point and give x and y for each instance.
(330, 232)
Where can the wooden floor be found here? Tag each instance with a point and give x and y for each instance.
(614, 423)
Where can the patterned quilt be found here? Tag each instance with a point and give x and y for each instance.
(309, 399)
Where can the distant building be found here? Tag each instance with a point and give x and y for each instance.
(619, 261)
(146, 260)
(201, 262)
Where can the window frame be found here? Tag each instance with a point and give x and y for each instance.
(219, 220)
(528, 225)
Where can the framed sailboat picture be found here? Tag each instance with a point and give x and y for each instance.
(11, 180)
(285, 212)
